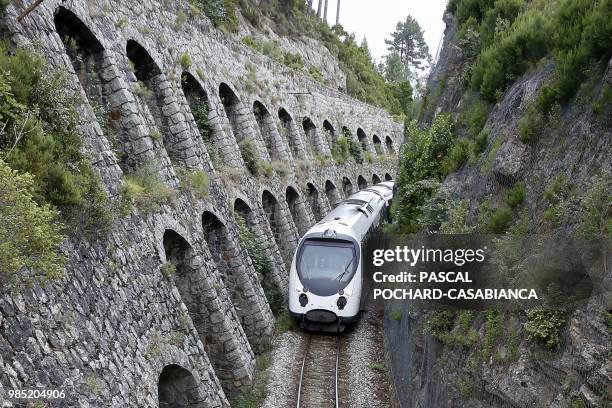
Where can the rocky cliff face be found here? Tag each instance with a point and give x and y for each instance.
(576, 147)
(167, 307)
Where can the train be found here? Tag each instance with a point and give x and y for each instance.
(326, 282)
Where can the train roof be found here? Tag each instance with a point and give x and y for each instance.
(354, 215)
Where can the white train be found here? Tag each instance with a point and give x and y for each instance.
(326, 277)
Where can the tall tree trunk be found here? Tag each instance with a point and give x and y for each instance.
(338, 13)
(319, 8)
(309, 9)
(325, 12)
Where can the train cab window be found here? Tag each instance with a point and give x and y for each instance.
(326, 265)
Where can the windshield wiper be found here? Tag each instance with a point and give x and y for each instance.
(341, 274)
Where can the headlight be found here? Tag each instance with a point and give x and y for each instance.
(341, 302)
(303, 300)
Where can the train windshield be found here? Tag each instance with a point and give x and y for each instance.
(326, 266)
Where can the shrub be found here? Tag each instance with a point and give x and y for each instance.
(507, 59)
(266, 169)
(185, 60)
(457, 155)
(196, 181)
(477, 117)
(440, 323)
(396, 314)
(545, 326)
(145, 189)
(341, 150)
(30, 236)
(558, 189)
(596, 217)
(516, 195)
(281, 168)
(41, 136)
(250, 156)
(168, 269)
(221, 12)
(316, 74)
(499, 221)
(531, 125)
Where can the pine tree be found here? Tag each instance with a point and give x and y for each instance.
(408, 42)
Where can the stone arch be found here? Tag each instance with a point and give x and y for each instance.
(330, 132)
(85, 51)
(312, 136)
(297, 210)
(281, 227)
(362, 182)
(227, 258)
(378, 148)
(347, 186)
(154, 92)
(389, 145)
(268, 131)
(315, 201)
(291, 133)
(332, 193)
(375, 179)
(200, 298)
(266, 270)
(199, 105)
(99, 80)
(363, 139)
(177, 388)
(388, 177)
(239, 127)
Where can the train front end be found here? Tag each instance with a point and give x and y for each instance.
(325, 281)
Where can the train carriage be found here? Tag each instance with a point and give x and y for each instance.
(326, 277)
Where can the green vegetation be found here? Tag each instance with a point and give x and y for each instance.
(344, 149)
(185, 60)
(250, 156)
(262, 265)
(379, 367)
(221, 12)
(146, 190)
(506, 38)
(195, 181)
(397, 314)
(516, 195)
(30, 235)
(256, 396)
(272, 49)
(545, 326)
(596, 217)
(494, 330)
(421, 162)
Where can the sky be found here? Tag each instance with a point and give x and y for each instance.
(376, 20)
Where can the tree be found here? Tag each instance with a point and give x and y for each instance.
(338, 13)
(366, 48)
(394, 69)
(403, 93)
(325, 10)
(319, 8)
(30, 235)
(408, 42)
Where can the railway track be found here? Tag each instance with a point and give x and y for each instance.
(321, 381)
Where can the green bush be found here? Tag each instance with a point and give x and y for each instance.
(531, 125)
(516, 195)
(168, 269)
(596, 217)
(420, 167)
(221, 12)
(545, 326)
(195, 181)
(185, 60)
(250, 156)
(146, 190)
(509, 57)
(30, 236)
(457, 156)
(440, 323)
(41, 136)
(499, 221)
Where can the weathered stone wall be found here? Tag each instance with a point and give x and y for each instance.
(117, 331)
